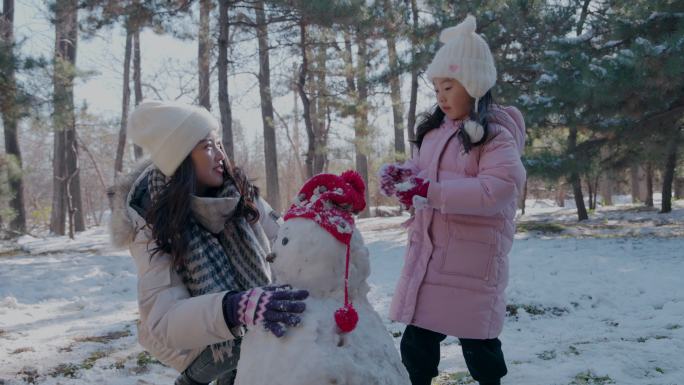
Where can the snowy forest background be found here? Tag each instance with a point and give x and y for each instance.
(303, 87)
(338, 84)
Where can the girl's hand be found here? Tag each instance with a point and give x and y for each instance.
(414, 187)
(390, 175)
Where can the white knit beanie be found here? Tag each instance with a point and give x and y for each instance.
(168, 131)
(466, 57)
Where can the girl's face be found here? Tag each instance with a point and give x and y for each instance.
(452, 98)
(207, 161)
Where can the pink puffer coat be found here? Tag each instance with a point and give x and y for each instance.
(456, 265)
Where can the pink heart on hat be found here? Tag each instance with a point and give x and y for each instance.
(453, 67)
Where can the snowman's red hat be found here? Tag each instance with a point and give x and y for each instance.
(330, 200)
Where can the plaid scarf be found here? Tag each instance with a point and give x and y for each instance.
(231, 260)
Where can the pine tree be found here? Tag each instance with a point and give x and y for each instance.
(222, 68)
(10, 114)
(642, 90)
(133, 15)
(66, 191)
(308, 16)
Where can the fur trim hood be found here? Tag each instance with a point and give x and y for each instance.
(125, 220)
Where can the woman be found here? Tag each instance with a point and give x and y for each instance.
(199, 235)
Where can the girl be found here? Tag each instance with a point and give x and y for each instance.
(464, 182)
(199, 234)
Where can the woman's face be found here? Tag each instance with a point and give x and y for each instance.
(452, 98)
(207, 160)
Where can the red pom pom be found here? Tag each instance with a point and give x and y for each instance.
(355, 180)
(346, 318)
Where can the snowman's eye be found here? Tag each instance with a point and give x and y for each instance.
(285, 240)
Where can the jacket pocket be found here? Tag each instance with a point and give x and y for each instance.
(470, 252)
(413, 249)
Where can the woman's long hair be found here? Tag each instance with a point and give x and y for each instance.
(433, 120)
(169, 214)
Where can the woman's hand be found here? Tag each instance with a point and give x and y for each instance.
(275, 307)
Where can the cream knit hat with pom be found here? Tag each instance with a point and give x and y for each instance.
(466, 57)
(168, 131)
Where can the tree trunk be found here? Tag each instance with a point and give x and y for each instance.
(222, 65)
(579, 198)
(394, 80)
(204, 54)
(595, 190)
(606, 187)
(574, 177)
(270, 152)
(649, 185)
(306, 104)
(642, 182)
(361, 138)
(10, 117)
(320, 128)
(312, 91)
(606, 181)
(523, 199)
(414, 76)
(137, 80)
(125, 102)
(560, 194)
(60, 94)
(66, 183)
(679, 187)
(349, 73)
(296, 145)
(669, 173)
(590, 191)
(58, 210)
(635, 183)
(583, 17)
(572, 138)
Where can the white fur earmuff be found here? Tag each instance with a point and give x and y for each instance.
(474, 130)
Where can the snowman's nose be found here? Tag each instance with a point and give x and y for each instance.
(270, 257)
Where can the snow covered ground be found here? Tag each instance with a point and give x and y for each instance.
(594, 303)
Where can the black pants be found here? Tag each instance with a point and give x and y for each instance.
(420, 355)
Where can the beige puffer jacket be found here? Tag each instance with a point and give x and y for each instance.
(173, 327)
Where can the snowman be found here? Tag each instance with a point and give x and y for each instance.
(341, 339)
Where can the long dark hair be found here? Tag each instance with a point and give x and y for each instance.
(169, 214)
(433, 120)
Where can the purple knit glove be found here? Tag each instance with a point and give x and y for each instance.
(275, 307)
(390, 175)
